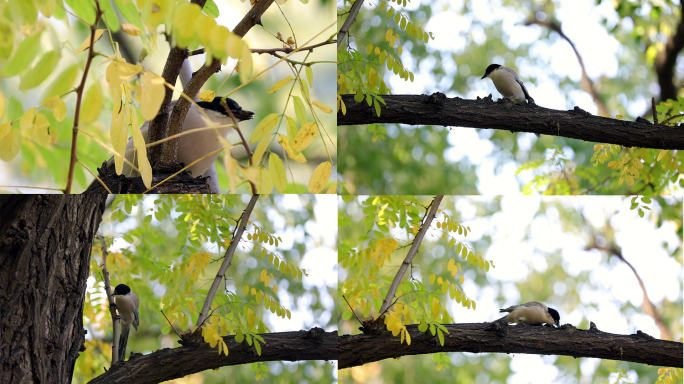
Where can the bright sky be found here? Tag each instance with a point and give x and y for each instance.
(453, 31)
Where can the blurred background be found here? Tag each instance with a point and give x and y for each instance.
(573, 253)
(622, 45)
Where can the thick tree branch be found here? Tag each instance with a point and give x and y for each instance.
(353, 12)
(497, 337)
(169, 148)
(227, 258)
(434, 206)
(437, 109)
(666, 60)
(158, 126)
(587, 84)
(168, 364)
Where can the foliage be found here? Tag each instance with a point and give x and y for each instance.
(36, 134)
(168, 248)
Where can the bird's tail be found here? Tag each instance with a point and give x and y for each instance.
(123, 339)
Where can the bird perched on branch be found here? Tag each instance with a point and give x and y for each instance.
(508, 84)
(531, 313)
(127, 307)
(193, 146)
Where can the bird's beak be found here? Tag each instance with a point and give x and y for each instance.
(243, 114)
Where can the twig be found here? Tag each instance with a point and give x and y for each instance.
(387, 309)
(244, 144)
(587, 84)
(79, 97)
(672, 117)
(228, 257)
(348, 22)
(271, 51)
(168, 321)
(352, 309)
(653, 111)
(434, 206)
(110, 298)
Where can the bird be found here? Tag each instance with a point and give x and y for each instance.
(192, 146)
(127, 307)
(531, 313)
(508, 84)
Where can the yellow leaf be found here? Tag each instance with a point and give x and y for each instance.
(319, 177)
(245, 63)
(332, 190)
(152, 95)
(280, 84)
(265, 185)
(92, 104)
(39, 131)
(117, 132)
(2, 105)
(234, 46)
(277, 169)
(305, 136)
(118, 71)
(207, 96)
(264, 127)
(619, 117)
(86, 44)
(139, 144)
(4, 129)
(282, 140)
(131, 29)
(661, 154)
(322, 107)
(10, 144)
(261, 149)
(26, 120)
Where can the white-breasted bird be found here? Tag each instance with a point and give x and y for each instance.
(193, 146)
(508, 83)
(531, 313)
(127, 307)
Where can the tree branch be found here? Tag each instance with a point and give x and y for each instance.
(227, 258)
(158, 125)
(434, 206)
(587, 84)
(437, 109)
(79, 97)
(272, 51)
(665, 61)
(353, 12)
(497, 337)
(110, 299)
(168, 155)
(173, 363)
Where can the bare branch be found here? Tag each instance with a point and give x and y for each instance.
(487, 337)
(353, 12)
(437, 109)
(79, 97)
(272, 51)
(434, 206)
(227, 258)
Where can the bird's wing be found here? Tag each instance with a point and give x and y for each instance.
(136, 320)
(536, 304)
(509, 309)
(527, 95)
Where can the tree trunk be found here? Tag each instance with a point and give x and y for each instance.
(45, 243)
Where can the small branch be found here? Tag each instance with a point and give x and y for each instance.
(227, 258)
(244, 144)
(411, 253)
(172, 327)
(587, 84)
(110, 298)
(653, 111)
(79, 98)
(672, 117)
(353, 12)
(272, 51)
(352, 309)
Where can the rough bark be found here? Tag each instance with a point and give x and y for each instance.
(437, 109)
(168, 364)
(45, 243)
(120, 184)
(497, 337)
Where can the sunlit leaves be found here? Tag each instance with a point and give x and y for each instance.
(62, 83)
(40, 71)
(93, 101)
(23, 56)
(319, 177)
(153, 93)
(86, 43)
(264, 127)
(277, 169)
(305, 136)
(10, 143)
(280, 84)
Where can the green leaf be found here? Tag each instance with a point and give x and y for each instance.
(277, 169)
(110, 16)
(299, 110)
(211, 9)
(264, 127)
(63, 83)
(83, 9)
(40, 71)
(26, 52)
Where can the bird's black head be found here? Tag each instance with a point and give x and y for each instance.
(555, 315)
(215, 105)
(490, 69)
(121, 290)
